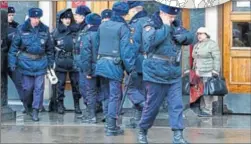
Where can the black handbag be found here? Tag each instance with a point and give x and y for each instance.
(215, 86)
(186, 84)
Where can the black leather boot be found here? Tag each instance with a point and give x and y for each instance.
(77, 107)
(137, 115)
(91, 116)
(178, 137)
(35, 115)
(28, 110)
(61, 107)
(112, 128)
(142, 136)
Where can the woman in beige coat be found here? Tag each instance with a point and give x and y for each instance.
(206, 55)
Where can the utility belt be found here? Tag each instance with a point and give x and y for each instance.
(116, 60)
(32, 56)
(171, 59)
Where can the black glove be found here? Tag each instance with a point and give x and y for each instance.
(176, 23)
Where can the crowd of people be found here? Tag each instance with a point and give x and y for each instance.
(98, 52)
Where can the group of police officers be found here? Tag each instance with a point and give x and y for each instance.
(98, 52)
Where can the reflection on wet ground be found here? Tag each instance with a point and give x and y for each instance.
(55, 128)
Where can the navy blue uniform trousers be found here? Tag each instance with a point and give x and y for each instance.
(33, 85)
(113, 89)
(91, 92)
(136, 91)
(16, 77)
(104, 93)
(82, 88)
(155, 95)
(74, 77)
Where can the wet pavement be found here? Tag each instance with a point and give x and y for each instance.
(55, 128)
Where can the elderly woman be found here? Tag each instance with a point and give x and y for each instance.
(206, 55)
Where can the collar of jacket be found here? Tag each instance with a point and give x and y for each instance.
(27, 26)
(157, 21)
(13, 24)
(93, 28)
(71, 28)
(81, 26)
(117, 18)
(140, 14)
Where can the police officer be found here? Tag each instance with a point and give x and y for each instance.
(12, 27)
(64, 38)
(12, 24)
(88, 52)
(116, 52)
(136, 89)
(104, 92)
(162, 73)
(31, 52)
(106, 15)
(80, 14)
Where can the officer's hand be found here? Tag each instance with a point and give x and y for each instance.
(176, 23)
(179, 38)
(88, 77)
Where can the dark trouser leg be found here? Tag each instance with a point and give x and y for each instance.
(16, 77)
(115, 91)
(38, 95)
(82, 89)
(91, 93)
(175, 111)
(74, 77)
(60, 91)
(28, 83)
(136, 94)
(154, 98)
(53, 100)
(4, 89)
(104, 91)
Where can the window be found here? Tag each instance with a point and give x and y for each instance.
(241, 34)
(241, 5)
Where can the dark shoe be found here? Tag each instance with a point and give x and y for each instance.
(28, 110)
(90, 120)
(61, 107)
(91, 117)
(35, 115)
(133, 123)
(77, 107)
(82, 116)
(103, 120)
(113, 129)
(42, 109)
(137, 116)
(204, 114)
(178, 137)
(23, 110)
(142, 136)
